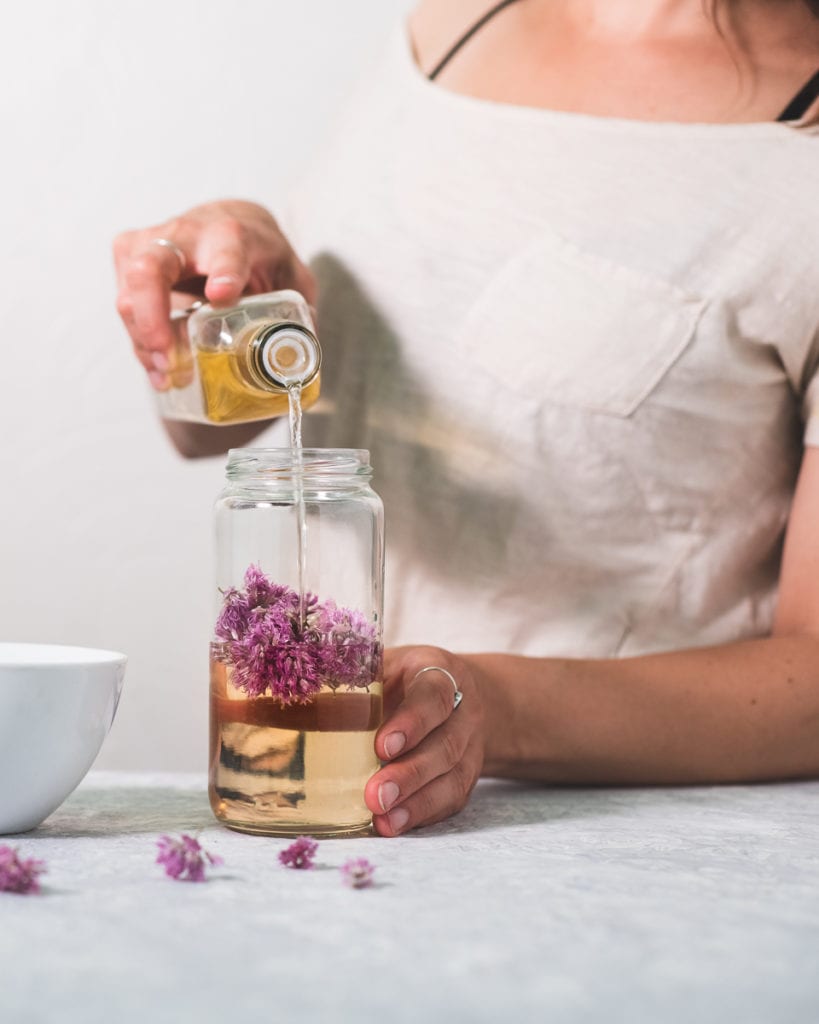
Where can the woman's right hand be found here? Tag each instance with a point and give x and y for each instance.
(230, 248)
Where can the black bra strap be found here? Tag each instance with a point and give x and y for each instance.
(442, 63)
(802, 101)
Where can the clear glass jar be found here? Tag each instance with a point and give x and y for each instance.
(237, 364)
(296, 682)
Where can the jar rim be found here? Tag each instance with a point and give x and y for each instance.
(313, 462)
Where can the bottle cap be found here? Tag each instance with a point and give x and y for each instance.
(286, 355)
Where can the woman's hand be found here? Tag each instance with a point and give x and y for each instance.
(220, 250)
(433, 750)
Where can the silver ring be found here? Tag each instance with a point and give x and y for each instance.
(437, 668)
(168, 244)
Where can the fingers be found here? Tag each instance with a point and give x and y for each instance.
(144, 305)
(444, 796)
(224, 254)
(229, 247)
(434, 753)
(428, 700)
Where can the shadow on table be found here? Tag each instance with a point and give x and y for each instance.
(126, 810)
(502, 804)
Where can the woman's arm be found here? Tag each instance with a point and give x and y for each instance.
(746, 711)
(736, 713)
(198, 440)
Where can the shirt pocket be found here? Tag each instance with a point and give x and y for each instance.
(563, 325)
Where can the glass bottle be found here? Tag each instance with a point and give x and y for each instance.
(235, 365)
(296, 657)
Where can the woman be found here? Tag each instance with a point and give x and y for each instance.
(567, 297)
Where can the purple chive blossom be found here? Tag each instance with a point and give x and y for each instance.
(17, 875)
(300, 854)
(233, 620)
(184, 859)
(273, 652)
(358, 873)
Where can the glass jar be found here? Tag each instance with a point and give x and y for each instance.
(296, 657)
(238, 364)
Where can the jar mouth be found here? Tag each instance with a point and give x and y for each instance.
(285, 462)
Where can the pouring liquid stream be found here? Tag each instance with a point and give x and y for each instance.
(294, 400)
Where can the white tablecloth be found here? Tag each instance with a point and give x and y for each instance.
(661, 905)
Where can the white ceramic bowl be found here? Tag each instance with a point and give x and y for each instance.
(56, 707)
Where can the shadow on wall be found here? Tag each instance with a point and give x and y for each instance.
(439, 475)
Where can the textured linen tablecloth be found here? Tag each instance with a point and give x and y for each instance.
(534, 904)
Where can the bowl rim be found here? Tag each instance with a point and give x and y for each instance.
(55, 656)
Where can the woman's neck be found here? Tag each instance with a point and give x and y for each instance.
(755, 25)
(652, 60)
(636, 19)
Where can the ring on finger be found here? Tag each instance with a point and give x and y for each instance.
(166, 243)
(458, 697)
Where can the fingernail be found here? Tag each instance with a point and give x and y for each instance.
(160, 361)
(158, 380)
(388, 793)
(398, 818)
(224, 280)
(394, 743)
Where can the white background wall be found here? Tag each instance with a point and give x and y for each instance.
(118, 115)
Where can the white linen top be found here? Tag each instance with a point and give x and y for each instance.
(582, 351)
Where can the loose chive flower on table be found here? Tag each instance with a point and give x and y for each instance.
(358, 873)
(17, 874)
(300, 854)
(184, 859)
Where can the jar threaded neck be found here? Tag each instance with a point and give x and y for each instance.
(327, 465)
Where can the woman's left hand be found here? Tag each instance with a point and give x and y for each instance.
(433, 751)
